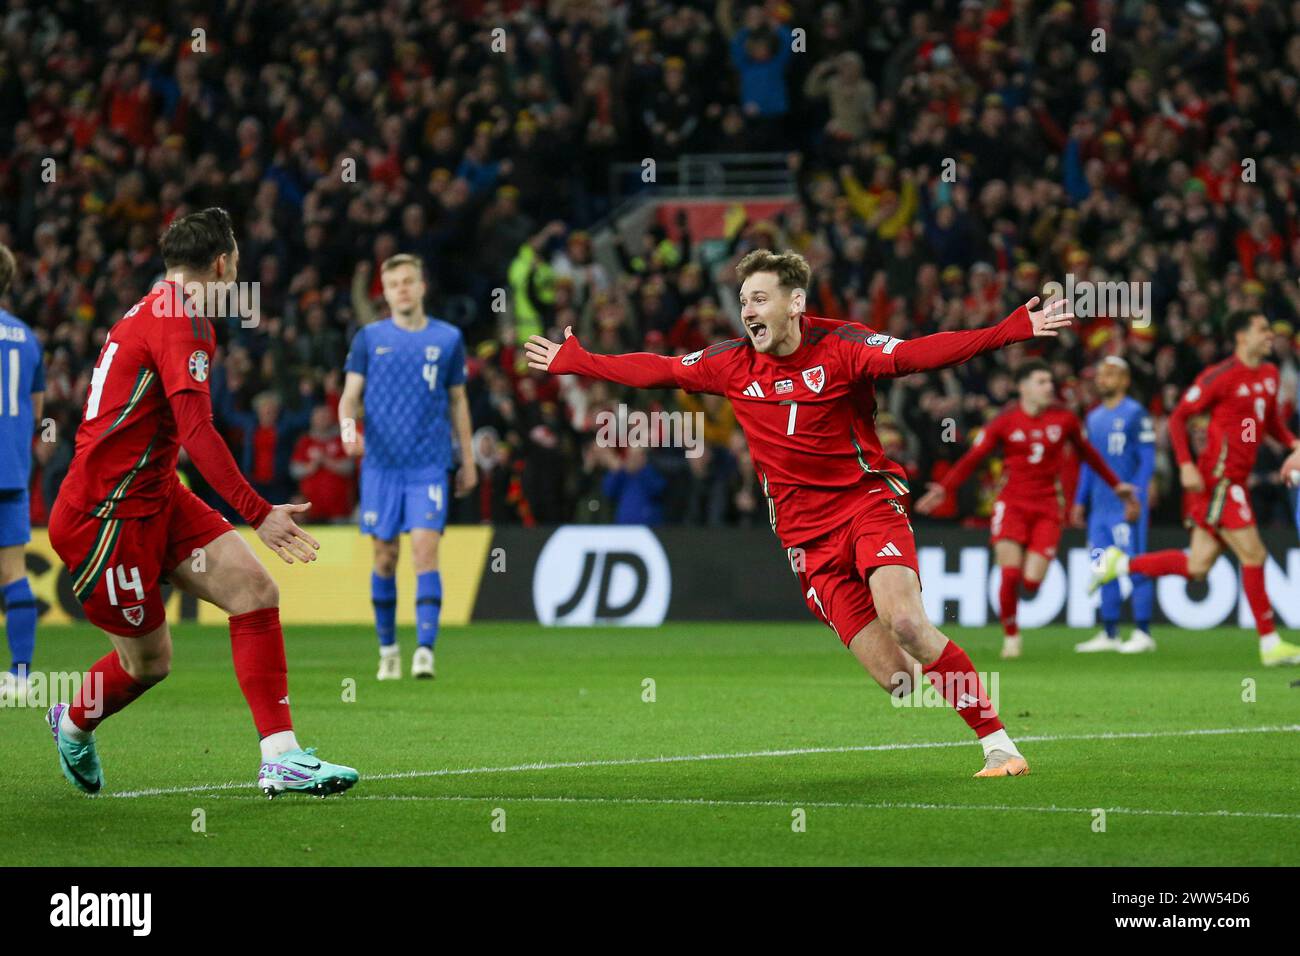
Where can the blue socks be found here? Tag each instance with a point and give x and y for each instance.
(383, 595)
(1111, 602)
(20, 622)
(1144, 599)
(428, 606)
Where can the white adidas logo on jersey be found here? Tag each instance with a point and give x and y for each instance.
(754, 390)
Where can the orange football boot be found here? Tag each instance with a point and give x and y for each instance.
(999, 763)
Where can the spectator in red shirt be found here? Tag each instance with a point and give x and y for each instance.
(1259, 240)
(323, 469)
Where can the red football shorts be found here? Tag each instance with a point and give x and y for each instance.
(1222, 506)
(833, 569)
(117, 564)
(1035, 527)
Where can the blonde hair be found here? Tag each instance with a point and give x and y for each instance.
(402, 259)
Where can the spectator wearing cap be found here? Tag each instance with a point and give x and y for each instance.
(539, 171)
(641, 72)
(672, 113)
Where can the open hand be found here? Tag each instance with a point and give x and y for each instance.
(281, 534)
(541, 352)
(1055, 315)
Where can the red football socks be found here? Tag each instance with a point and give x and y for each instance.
(1007, 597)
(1157, 563)
(1252, 582)
(257, 646)
(954, 676)
(106, 690)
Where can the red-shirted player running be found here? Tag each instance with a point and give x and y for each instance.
(803, 390)
(123, 521)
(1240, 396)
(1030, 508)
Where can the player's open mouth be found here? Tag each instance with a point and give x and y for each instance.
(757, 331)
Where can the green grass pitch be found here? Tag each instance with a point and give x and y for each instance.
(767, 720)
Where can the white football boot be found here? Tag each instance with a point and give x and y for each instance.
(1099, 642)
(390, 663)
(1011, 647)
(1139, 642)
(422, 663)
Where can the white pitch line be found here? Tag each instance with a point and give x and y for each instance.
(814, 804)
(745, 755)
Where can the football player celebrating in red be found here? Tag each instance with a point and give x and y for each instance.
(1030, 508)
(1240, 396)
(123, 520)
(803, 391)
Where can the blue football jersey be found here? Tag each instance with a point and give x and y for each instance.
(408, 426)
(1126, 439)
(22, 372)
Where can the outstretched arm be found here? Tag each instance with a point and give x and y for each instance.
(898, 357)
(637, 369)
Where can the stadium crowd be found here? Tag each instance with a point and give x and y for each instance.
(947, 158)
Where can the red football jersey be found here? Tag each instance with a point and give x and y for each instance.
(809, 416)
(1033, 455)
(124, 465)
(1242, 404)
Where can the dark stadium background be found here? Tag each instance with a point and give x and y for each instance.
(522, 171)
